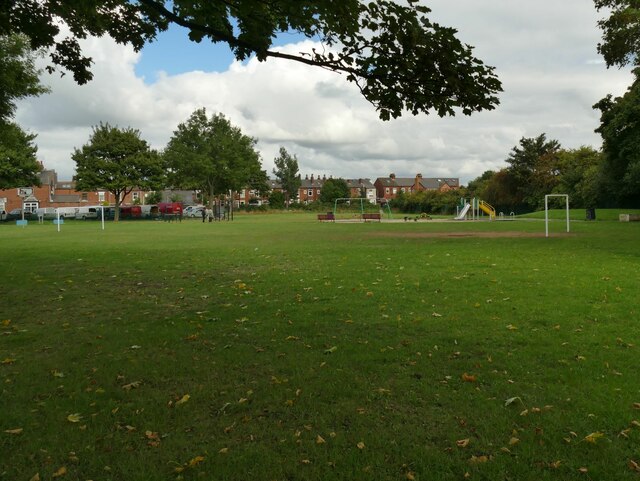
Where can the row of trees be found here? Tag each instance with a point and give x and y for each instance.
(205, 153)
(539, 166)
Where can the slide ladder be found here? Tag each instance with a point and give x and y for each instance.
(463, 212)
(487, 209)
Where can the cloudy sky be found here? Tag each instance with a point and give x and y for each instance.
(544, 53)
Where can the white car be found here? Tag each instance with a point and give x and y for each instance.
(193, 211)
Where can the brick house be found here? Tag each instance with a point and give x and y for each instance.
(362, 188)
(310, 189)
(58, 193)
(389, 187)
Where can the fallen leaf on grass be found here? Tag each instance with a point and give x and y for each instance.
(511, 327)
(463, 443)
(593, 437)
(511, 400)
(60, 472)
(36, 477)
(555, 464)
(478, 459)
(183, 400)
(8, 360)
(320, 440)
(132, 385)
(633, 466)
(360, 445)
(13, 431)
(469, 377)
(583, 470)
(74, 418)
(331, 350)
(513, 441)
(636, 405)
(195, 461)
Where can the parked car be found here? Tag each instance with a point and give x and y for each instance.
(68, 212)
(46, 213)
(189, 209)
(87, 212)
(197, 211)
(16, 214)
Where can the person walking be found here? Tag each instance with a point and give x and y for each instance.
(204, 214)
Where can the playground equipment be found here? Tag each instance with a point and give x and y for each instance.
(463, 213)
(475, 205)
(359, 208)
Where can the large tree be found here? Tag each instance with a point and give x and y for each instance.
(580, 176)
(288, 174)
(18, 79)
(18, 164)
(620, 131)
(212, 155)
(333, 189)
(117, 160)
(535, 168)
(399, 59)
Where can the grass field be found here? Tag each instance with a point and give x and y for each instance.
(275, 347)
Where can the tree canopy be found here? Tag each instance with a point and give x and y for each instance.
(333, 189)
(212, 155)
(18, 74)
(620, 131)
(620, 44)
(117, 160)
(18, 164)
(399, 59)
(534, 165)
(288, 174)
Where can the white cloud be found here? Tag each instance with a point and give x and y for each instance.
(545, 58)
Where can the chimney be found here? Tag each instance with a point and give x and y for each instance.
(392, 176)
(306, 177)
(418, 176)
(324, 177)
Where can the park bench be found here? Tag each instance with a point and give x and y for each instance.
(327, 217)
(371, 216)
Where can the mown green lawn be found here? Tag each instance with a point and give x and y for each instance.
(275, 347)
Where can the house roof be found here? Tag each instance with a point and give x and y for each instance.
(360, 183)
(312, 183)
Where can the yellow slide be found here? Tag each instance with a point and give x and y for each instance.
(487, 209)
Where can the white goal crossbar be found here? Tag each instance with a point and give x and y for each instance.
(546, 211)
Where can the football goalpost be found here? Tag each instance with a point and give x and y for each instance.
(352, 208)
(546, 211)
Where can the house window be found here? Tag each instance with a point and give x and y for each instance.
(83, 197)
(386, 191)
(395, 191)
(100, 196)
(402, 190)
(135, 196)
(30, 206)
(310, 192)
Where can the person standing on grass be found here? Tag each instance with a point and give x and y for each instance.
(204, 214)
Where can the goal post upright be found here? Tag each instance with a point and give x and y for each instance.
(546, 211)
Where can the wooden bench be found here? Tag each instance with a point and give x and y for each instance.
(327, 217)
(372, 216)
